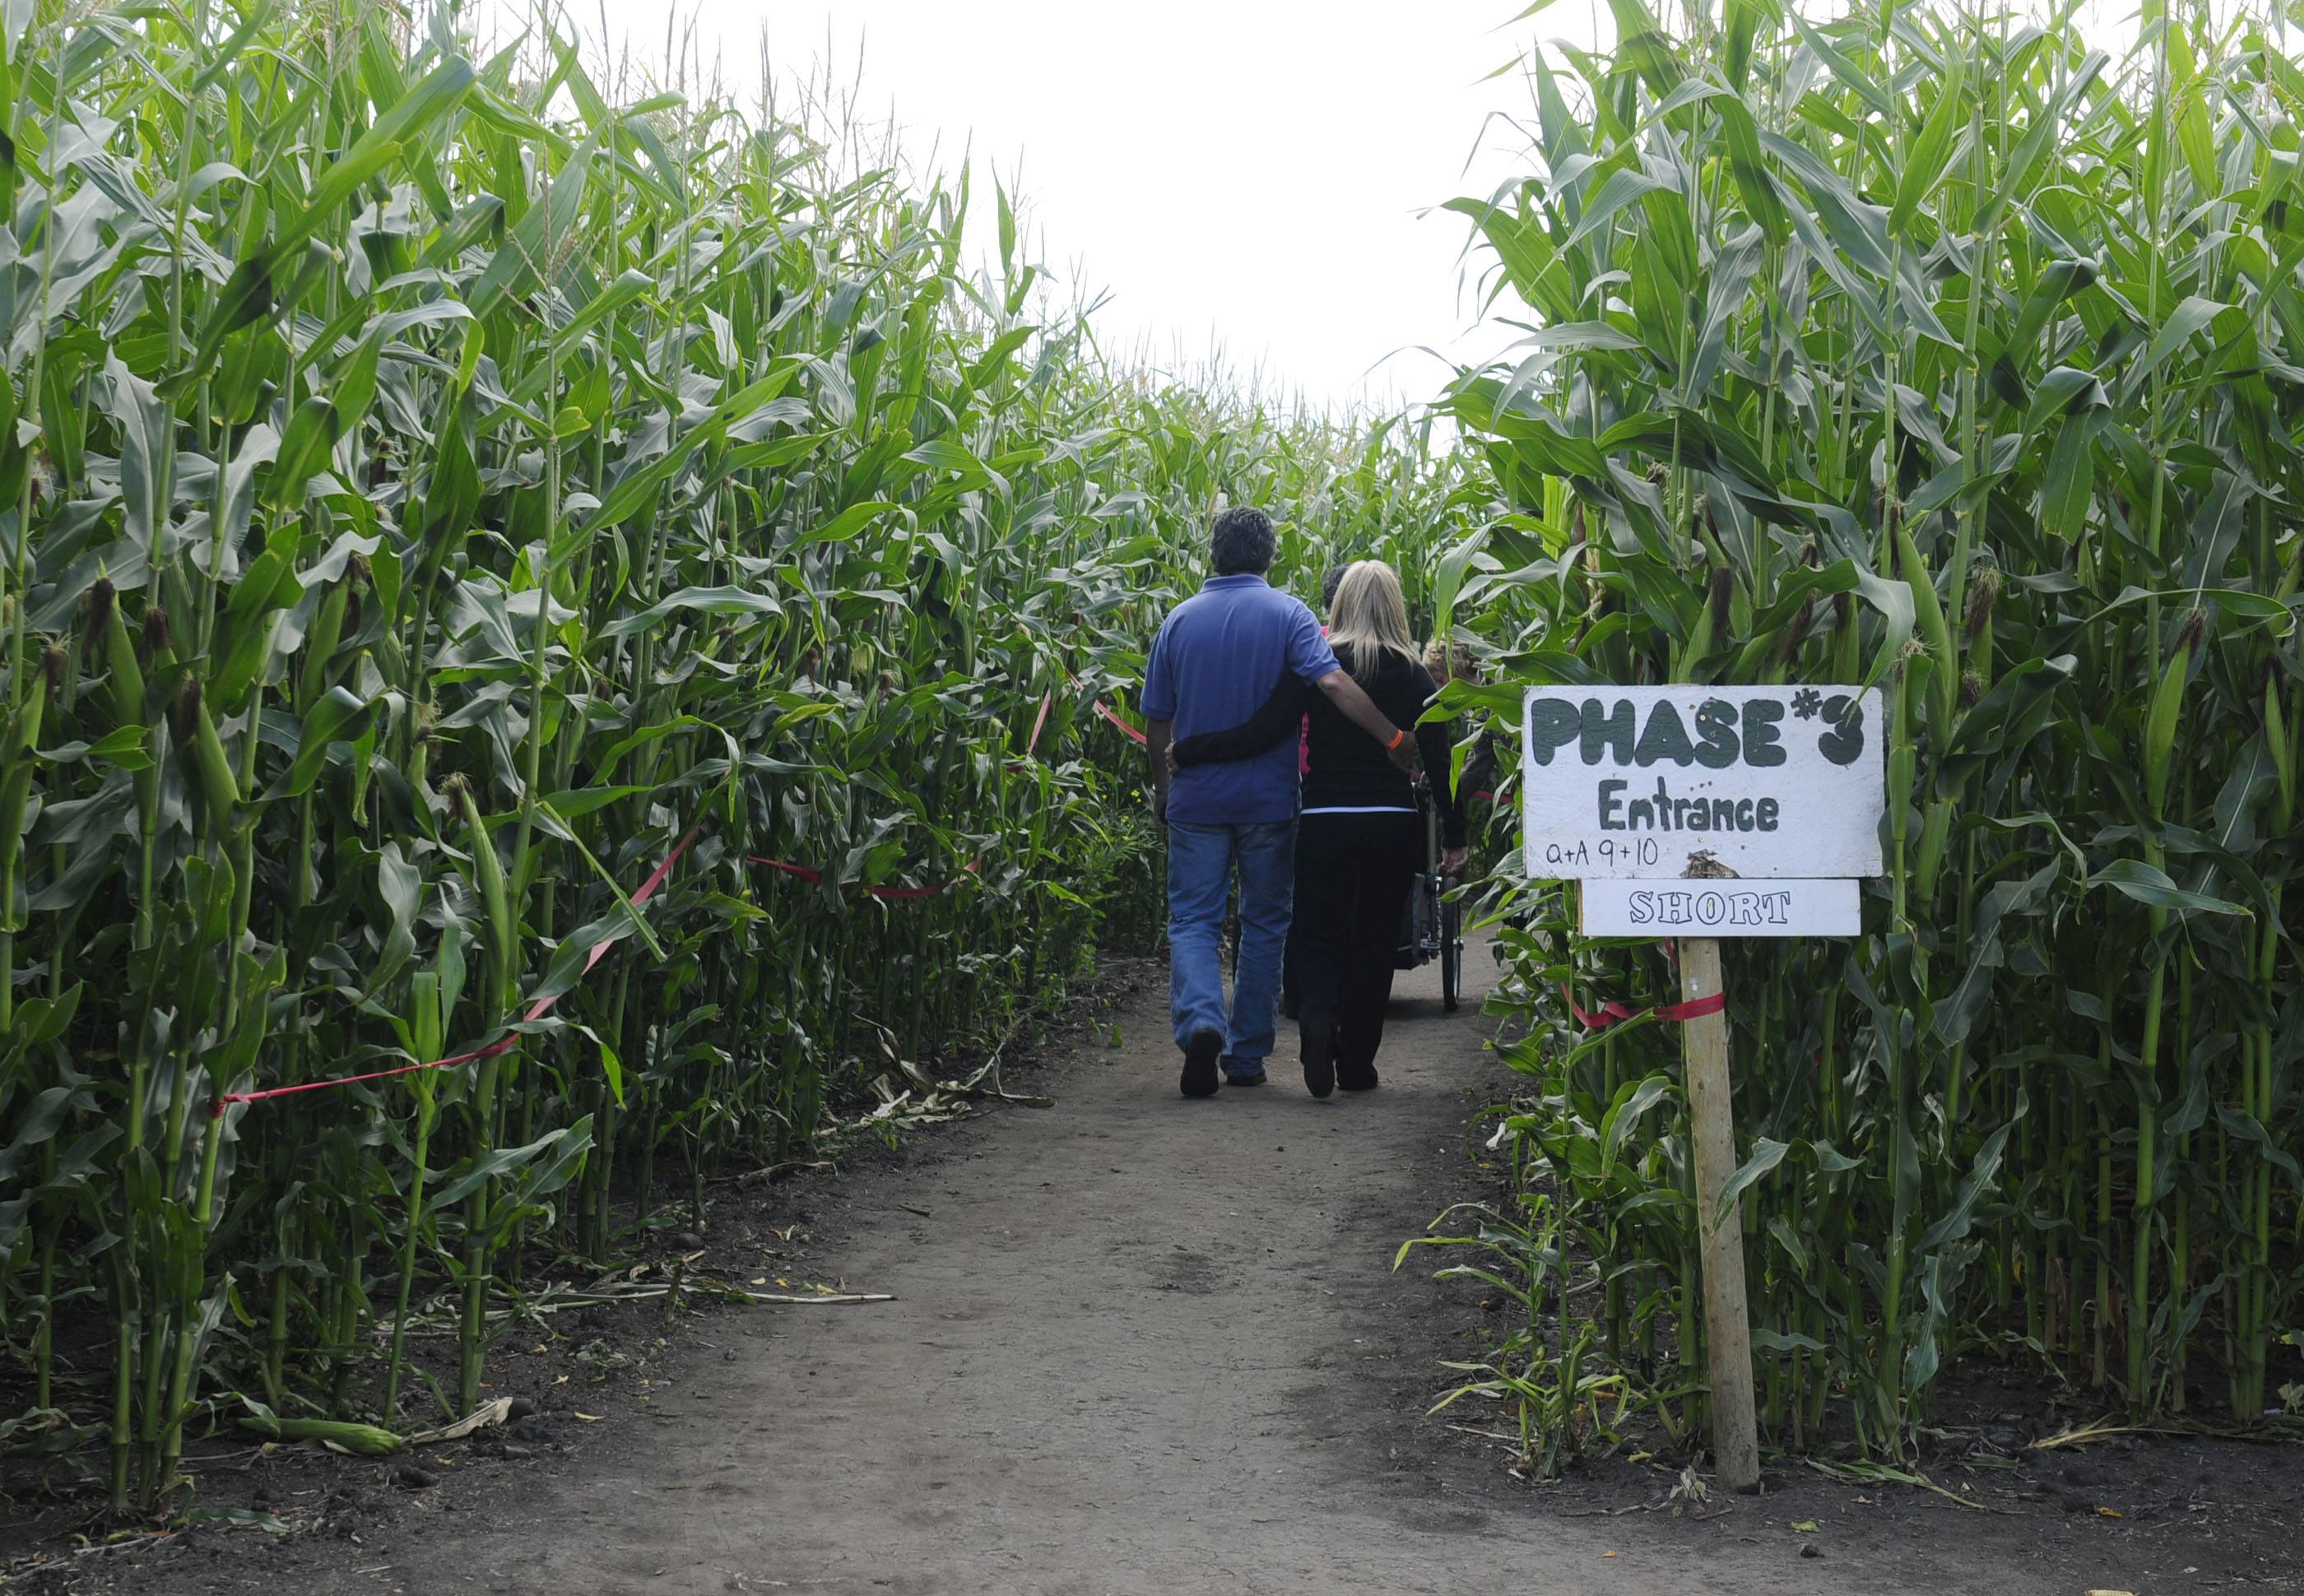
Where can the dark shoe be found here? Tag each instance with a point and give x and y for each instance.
(1201, 1056)
(1319, 1052)
(1244, 1077)
(1356, 1079)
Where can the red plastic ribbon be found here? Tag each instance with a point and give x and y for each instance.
(1101, 707)
(1040, 722)
(815, 877)
(1611, 1013)
(502, 1045)
(1127, 730)
(1105, 710)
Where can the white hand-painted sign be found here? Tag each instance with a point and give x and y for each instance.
(1766, 782)
(1769, 906)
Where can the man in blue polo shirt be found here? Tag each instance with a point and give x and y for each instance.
(1217, 658)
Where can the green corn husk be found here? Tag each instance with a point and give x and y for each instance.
(19, 738)
(109, 638)
(204, 750)
(364, 1440)
(2160, 724)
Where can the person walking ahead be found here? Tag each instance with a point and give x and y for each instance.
(1212, 665)
(1361, 837)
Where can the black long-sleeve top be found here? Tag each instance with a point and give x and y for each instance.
(1347, 769)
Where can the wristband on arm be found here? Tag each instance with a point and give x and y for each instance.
(1398, 738)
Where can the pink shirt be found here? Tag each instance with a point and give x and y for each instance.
(1304, 739)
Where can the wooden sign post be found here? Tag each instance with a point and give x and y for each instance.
(1700, 813)
(1720, 1237)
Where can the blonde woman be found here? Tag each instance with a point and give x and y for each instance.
(1360, 837)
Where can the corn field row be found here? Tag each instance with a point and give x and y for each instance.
(433, 485)
(1926, 347)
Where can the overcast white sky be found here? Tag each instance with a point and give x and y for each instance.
(1238, 175)
(1247, 176)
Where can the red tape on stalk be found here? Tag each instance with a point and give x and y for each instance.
(497, 1049)
(810, 877)
(1131, 732)
(1040, 723)
(1127, 730)
(647, 890)
(1609, 1014)
(1105, 710)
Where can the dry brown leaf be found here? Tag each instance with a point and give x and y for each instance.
(494, 1411)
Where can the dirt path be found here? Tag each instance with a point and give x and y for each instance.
(1132, 1351)
(1141, 1345)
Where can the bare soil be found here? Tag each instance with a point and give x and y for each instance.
(1138, 1345)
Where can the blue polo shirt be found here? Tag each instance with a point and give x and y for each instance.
(1217, 658)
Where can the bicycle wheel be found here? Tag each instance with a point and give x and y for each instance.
(1451, 955)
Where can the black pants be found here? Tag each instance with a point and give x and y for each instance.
(1352, 874)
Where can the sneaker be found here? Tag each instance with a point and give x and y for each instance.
(1236, 1075)
(1200, 1055)
(1319, 1050)
(1361, 1079)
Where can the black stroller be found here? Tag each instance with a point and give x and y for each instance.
(1432, 923)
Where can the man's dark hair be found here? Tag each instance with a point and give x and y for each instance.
(1241, 542)
(1330, 583)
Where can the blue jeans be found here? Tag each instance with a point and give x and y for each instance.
(1202, 859)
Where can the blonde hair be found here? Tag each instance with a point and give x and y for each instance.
(1370, 618)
